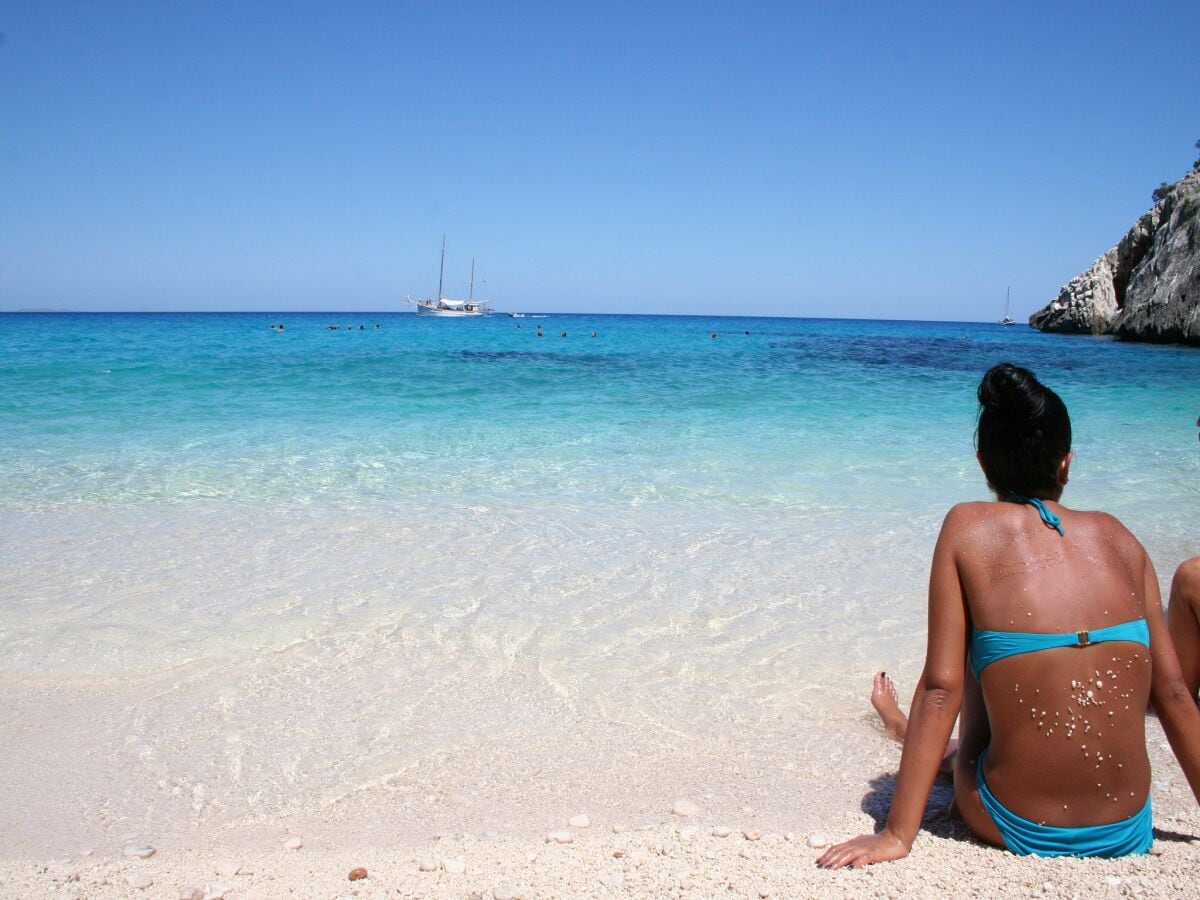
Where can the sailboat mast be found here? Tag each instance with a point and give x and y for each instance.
(442, 267)
(471, 283)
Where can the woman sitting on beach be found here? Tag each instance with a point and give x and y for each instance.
(1046, 629)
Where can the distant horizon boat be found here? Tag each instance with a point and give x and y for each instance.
(443, 306)
(1007, 320)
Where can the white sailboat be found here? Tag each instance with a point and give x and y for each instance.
(444, 306)
(1007, 320)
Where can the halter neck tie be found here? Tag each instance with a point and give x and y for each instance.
(1049, 519)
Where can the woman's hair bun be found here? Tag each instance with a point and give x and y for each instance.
(1012, 393)
(1023, 433)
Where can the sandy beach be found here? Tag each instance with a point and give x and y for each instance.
(537, 813)
(666, 860)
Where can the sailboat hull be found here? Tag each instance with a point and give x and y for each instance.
(449, 313)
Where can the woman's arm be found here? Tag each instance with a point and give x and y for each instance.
(1183, 621)
(1169, 694)
(935, 707)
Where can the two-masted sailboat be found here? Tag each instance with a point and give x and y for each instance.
(443, 306)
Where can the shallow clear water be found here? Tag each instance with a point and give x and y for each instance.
(818, 435)
(649, 525)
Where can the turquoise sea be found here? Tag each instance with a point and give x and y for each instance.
(791, 414)
(651, 527)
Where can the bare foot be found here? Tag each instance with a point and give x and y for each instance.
(886, 702)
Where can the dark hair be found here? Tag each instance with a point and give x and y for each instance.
(1023, 433)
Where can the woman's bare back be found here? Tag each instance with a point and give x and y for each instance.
(1064, 737)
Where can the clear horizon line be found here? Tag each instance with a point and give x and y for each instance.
(495, 314)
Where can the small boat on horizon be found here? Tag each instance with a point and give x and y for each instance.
(1007, 320)
(444, 306)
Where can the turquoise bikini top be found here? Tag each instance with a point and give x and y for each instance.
(989, 646)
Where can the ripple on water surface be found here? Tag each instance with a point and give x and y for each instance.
(437, 532)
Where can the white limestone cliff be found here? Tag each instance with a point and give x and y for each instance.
(1147, 288)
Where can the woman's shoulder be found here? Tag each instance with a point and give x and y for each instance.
(1100, 522)
(1105, 527)
(971, 514)
(964, 520)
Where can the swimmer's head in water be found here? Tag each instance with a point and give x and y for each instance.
(1023, 435)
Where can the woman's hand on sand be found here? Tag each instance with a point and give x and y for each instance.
(863, 851)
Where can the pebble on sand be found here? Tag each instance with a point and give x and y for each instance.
(138, 880)
(685, 808)
(454, 866)
(580, 821)
(818, 841)
(357, 874)
(140, 851)
(752, 834)
(722, 831)
(293, 843)
(560, 836)
(427, 865)
(227, 868)
(507, 892)
(191, 892)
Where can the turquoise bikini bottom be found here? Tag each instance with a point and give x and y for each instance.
(1026, 838)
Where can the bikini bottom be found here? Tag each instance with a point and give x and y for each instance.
(1026, 838)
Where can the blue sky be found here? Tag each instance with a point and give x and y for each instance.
(853, 159)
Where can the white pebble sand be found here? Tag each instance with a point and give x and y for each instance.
(666, 816)
(651, 863)
(716, 852)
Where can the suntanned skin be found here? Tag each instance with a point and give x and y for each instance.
(887, 703)
(1183, 620)
(997, 566)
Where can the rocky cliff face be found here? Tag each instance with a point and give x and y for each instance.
(1147, 288)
